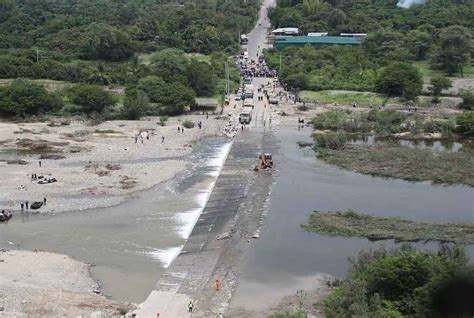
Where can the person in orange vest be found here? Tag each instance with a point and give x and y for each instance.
(218, 284)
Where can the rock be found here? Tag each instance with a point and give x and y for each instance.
(96, 291)
(304, 144)
(224, 236)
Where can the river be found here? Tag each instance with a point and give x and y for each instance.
(286, 258)
(129, 244)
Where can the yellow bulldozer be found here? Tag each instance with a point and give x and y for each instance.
(264, 162)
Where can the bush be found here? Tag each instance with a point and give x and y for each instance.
(163, 120)
(91, 98)
(465, 123)
(330, 120)
(23, 98)
(335, 141)
(400, 79)
(188, 124)
(467, 99)
(399, 282)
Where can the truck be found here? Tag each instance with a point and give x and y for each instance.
(248, 103)
(273, 99)
(245, 116)
(248, 91)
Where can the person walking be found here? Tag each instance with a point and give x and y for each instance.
(163, 139)
(218, 284)
(190, 306)
(26, 204)
(39, 163)
(21, 205)
(179, 129)
(44, 200)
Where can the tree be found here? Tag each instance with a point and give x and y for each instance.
(135, 105)
(201, 78)
(23, 98)
(454, 51)
(91, 98)
(174, 98)
(438, 84)
(465, 122)
(152, 86)
(400, 79)
(170, 65)
(418, 44)
(103, 41)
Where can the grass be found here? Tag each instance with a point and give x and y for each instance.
(401, 162)
(353, 224)
(299, 314)
(49, 85)
(342, 97)
(428, 73)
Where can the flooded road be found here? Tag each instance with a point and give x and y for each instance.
(286, 258)
(129, 244)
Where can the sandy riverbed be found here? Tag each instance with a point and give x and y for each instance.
(40, 284)
(84, 180)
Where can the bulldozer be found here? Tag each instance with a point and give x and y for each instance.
(264, 162)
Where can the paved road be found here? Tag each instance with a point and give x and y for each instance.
(228, 223)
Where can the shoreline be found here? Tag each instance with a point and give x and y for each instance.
(88, 178)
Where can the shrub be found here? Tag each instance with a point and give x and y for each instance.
(465, 123)
(467, 100)
(163, 120)
(188, 124)
(335, 141)
(330, 120)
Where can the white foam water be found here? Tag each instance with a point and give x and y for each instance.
(165, 256)
(188, 219)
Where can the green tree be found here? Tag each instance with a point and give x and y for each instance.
(418, 44)
(170, 65)
(23, 98)
(103, 41)
(91, 98)
(175, 98)
(201, 78)
(438, 84)
(135, 105)
(454, 51)
(400, 79)
(152, 86)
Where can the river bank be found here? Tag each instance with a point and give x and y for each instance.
(98, 166)
(50, 285)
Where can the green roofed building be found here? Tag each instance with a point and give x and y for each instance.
(282, 42)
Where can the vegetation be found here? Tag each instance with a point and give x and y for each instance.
(23, 98)
(438, 84)
(344, 97)
(400, 79)
(188, 124)
(375, 228)
(465, 123)
(384, 123)
(90, 98)
(437, 34)
(467, 100)
(299, 314)
(405, 282)
(403, 162)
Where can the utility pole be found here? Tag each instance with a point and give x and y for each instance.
(280, 65)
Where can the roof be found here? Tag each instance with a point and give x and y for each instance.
(287, 30)
(317, 33)
(208, 102)
(282, 42)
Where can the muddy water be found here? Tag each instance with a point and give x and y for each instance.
(286, 258)
(129, 244)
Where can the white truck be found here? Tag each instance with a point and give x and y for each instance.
(248, 103)
(245, 116)
(248, 91)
